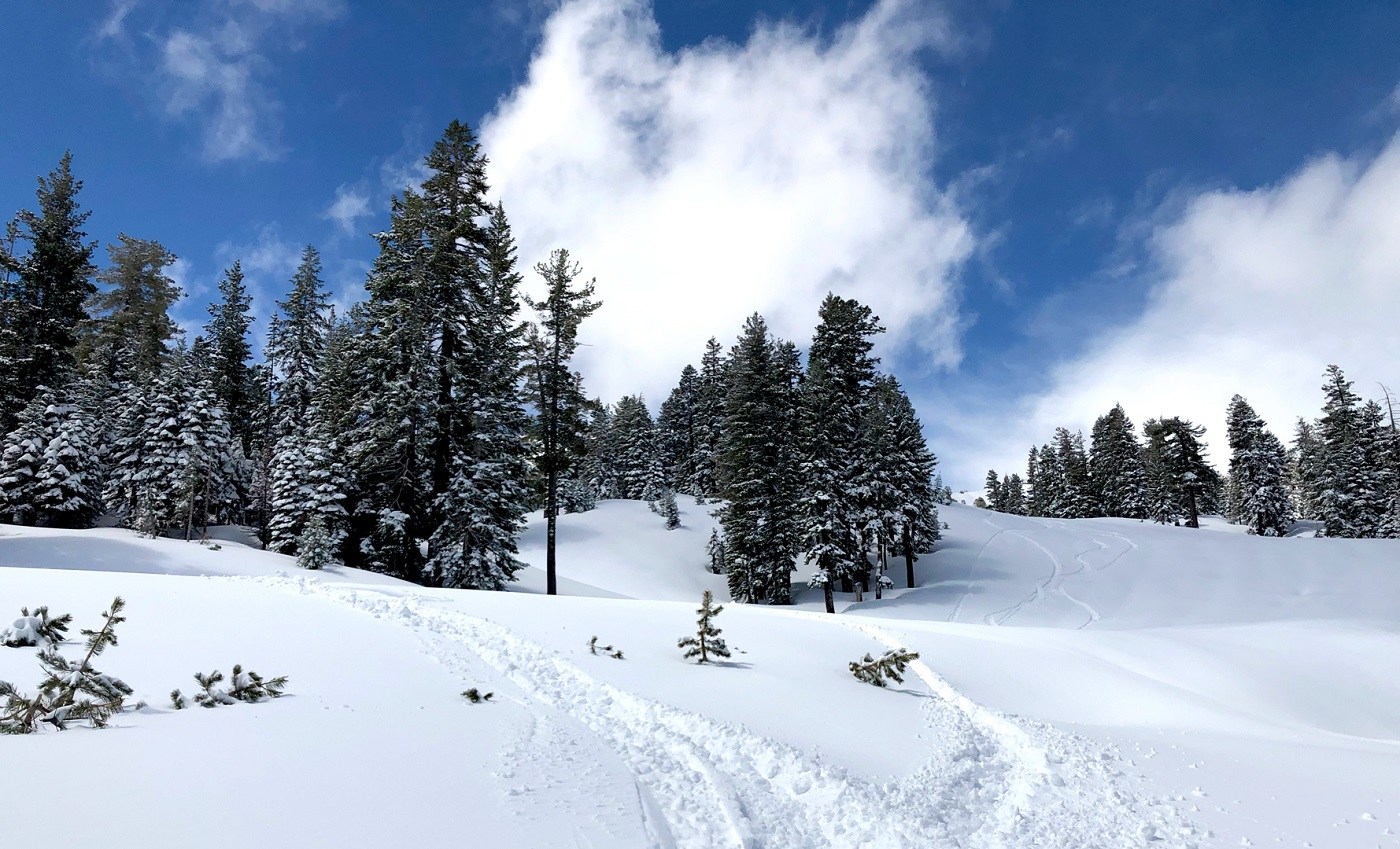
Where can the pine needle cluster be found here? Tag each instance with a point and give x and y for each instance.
(594, 648)
(476, 697)
(890, 665)
(243, 686)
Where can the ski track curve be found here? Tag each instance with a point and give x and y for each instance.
(1053, 584)
(992, 781)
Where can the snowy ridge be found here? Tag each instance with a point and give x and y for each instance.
(992, 782)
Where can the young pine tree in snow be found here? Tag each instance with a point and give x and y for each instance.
(314, 547)
(634, 441)
(992, 485)
(670, 511)
(1258, 492)
(707, 640)
(1350, 490)
(889, 665)
(715, 554)
(22, 457)
(67, 487)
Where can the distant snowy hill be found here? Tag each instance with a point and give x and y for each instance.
(1168, 687)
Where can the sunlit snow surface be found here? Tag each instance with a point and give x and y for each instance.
(1165, 687)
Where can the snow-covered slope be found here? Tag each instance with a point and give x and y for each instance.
(1174, 688)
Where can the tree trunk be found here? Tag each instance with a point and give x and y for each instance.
(830, 598)
(1193, 520)
(908, 539)
(551, 512)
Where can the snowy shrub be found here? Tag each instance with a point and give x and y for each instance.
(611, 652)
(476, 697)
(890, 665)
(33, 629)
(69, 692)
(315, 550)
(243, 686)
(707, 640)
(575, 496)
(669, 510)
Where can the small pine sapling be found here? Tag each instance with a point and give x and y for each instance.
(243, 686)
(69, 692)
(476, 697)
(670, 511)
(314, 547)
(38, 627)
(890, 665)
(707, 640)
(594, 648)
(715, 551)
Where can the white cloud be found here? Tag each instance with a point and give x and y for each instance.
(1256, 292)
(350, 205)
(701, 186)
(216, 68)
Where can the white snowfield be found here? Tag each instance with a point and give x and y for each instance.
(1096, 683)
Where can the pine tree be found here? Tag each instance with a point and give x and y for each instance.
(1258, 473)
(715, 554)
(67, 487)
(314, 547)
(840, 371)
(1076, 498)
(711, 415)
(1306, 470)
(296, 341)
(1118, 477)
(227, 332)
(23, 458)
(889, 665)
(129, 336)
(676, 429)
(43, 293)
(707, 640)
(557, 388)
(634, 446)
(992, 486)
(1015, 494)
(1350, 497)
(1181, 479)
(670, 511)
(756, 467)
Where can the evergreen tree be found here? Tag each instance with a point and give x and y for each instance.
(992, 485)
(22, 459)
(676, 433)
(634, 444)
(1117, 474)
(756, 467)
(840, 372)
(557, 388)
(1014, 492)
(901, 501)
(131, 330)
(711, 414)
(1076, 499)
(295, 344)
(1178, 471)
(1350, 497)
(42, 293)
(1306, 469)
(227, 332)
(1258, 473)
(715, 554)
(670, 511)
(707, 640)
(67, 487)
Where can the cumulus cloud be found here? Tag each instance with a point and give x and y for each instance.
(1255, 293)
(350, 205)
(703, 185)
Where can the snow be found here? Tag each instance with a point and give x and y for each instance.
(1087, 683)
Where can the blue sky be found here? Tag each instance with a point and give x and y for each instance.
(1054, 206)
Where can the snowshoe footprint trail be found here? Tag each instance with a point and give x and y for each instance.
(990, 781)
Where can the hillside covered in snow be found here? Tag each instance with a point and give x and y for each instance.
(1102, 683)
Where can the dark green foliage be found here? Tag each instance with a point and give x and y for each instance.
(715, 554)
(128, 336)
(42, 292)
(69, 692)
(32, 629)
(243, 686)
(476, 697)
(557, 389)
(1181, 482)
(1117, 471)
(890, 665)
(594, 648)
(757, 467)
(707, 640)
(230, 374)
(1258, 490)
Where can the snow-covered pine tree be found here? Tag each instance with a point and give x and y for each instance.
(634, 441)
(756, 468)
(707, 640)
(1077, 497)
(314, 547)
(992, 486)
(711, 415)
(230, 374)
(1306, 468)
(129, 335)
(22, 457)
(1117, 473)
(42, 293)
(1258, 491)
(676, 433)
(715, 554)
(1349, 497)
(1181, 479)
(557, 389)
(670, 511)
(295, 342)
(840, 372)
(889, 665)
(67, 487)
(1015, 496)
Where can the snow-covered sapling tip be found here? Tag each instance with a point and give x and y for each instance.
(707, 640)
(38, 627)
(476, 697)
(69, 692)
(594, 648)
(243, 686)
(890, 665)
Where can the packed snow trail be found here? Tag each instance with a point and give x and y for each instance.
(989, 782)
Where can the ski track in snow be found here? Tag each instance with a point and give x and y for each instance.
(991, 780)
(1054, 584)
